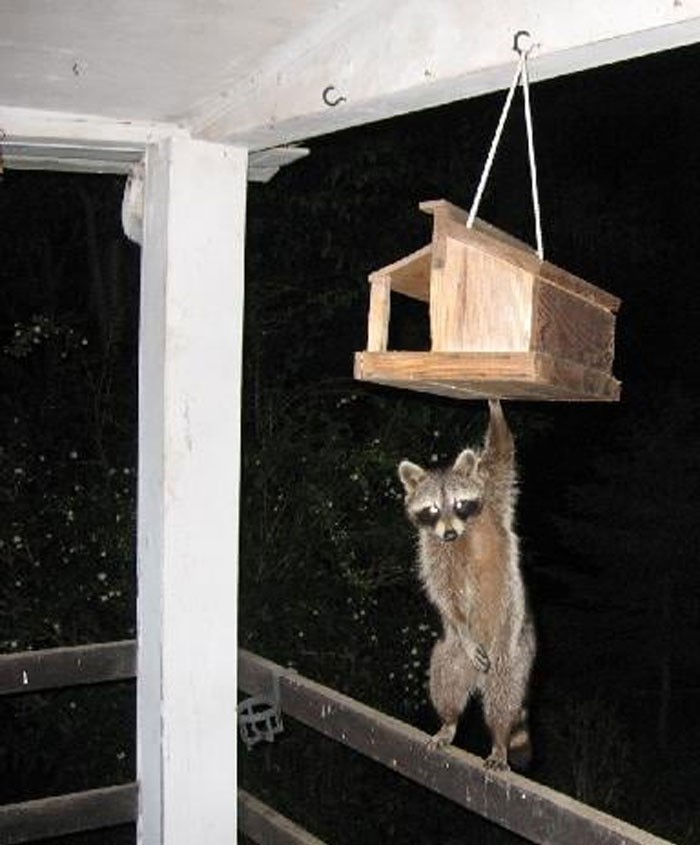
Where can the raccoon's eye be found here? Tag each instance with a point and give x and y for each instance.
(428, 515)
(466, 507)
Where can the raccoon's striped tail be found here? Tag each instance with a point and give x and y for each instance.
(519, 745)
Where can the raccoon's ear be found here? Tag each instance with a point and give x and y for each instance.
(411, 475)
(466, 462)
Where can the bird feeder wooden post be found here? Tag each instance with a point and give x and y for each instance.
(503, 323)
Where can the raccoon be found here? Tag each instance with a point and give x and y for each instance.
(469, 566)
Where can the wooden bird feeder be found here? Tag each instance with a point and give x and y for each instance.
(503, 323)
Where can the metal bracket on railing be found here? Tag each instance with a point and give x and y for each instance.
(260, 716)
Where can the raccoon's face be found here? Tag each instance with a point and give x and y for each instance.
(443, 501)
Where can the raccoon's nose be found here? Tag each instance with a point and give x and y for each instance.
(449, 535)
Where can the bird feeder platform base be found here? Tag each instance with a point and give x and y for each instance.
(529, 376)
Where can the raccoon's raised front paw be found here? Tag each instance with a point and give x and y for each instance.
(478, 656)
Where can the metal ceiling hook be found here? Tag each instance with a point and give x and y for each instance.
(326, 95)
(521, 33)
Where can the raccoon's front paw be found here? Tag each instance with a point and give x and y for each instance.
(478, 656)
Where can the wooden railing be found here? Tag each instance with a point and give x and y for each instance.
(56, 668)
(31, 821)
(529, 809)
(34, 671)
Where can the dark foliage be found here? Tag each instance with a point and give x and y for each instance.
(67, 472)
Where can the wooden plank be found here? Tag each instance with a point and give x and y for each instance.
(493, 242)
(409, 275)
(31, 671)
(511, 801)
(451, 220)
(461, 391)
(448, 295)
(444, 210)
(31, 821)
(573, 284)
(74, 156)
(379, 313)
(585, 383)
(264, 825)
(497, 313)
(472, 375)
(570, 327)
(505, 248)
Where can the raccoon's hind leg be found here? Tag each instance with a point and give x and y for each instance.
(511, 742)
(500, 727)
(504, 712)
(452, 679)
(519, 744)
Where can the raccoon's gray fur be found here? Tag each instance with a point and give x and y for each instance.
(469, 566)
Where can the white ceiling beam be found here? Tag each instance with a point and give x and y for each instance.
(40, 140)
(85, 129)
(392, 58)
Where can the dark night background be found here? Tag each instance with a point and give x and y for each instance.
(608, 513)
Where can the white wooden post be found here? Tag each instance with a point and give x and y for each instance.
(189, 394)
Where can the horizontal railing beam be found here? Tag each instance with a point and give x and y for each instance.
(32, 821)
(262, 824)
(33, 671)
(527, 808)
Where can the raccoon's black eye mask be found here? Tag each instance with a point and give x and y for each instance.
(428, 515)
(465, 508)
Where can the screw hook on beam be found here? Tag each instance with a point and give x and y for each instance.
(521, 33)
(327, 97)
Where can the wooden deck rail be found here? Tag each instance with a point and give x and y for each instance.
(31, 821)
(534, 811)
(59, 815)
(261, 823)
(57, 668)
(527, 808)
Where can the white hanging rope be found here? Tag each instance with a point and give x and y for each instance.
(494, 145)
(531, 156)
(520, 73)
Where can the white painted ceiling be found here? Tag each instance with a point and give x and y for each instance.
(88, 83)
(149, 60)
